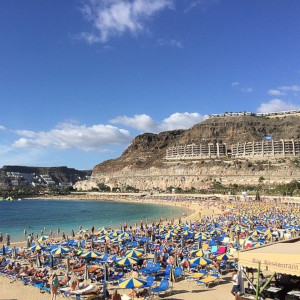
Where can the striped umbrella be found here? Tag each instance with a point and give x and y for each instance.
(169, 235)
(60, 250)
(91, 254)
(43, 238)
(134, 253)
(117, 240)
(197, 252)
(199, 261)
(35, 248)
(225, 257)
(132, 283)
(102, 230)
(126, 261)
(201, 235)
(104, 238)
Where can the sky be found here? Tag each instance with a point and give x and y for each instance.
(80, 79)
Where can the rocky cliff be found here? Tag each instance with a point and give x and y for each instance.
(143, 165)
(58, 174)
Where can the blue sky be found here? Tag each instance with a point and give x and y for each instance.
(80, 79)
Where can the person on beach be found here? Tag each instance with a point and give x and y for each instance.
(53, 280)
(7, 238)
(1, 237)
(116, 296)
(235, 291)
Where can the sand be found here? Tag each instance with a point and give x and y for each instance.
(181, 290)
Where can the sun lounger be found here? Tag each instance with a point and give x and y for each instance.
(207, 281)
(163, 287)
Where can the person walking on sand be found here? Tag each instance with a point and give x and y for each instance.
(235, 291)
(53, 280)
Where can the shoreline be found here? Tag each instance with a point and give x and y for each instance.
(187, 210)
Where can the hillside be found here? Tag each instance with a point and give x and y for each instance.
(143, 164)
(58, 174)
(149, 149)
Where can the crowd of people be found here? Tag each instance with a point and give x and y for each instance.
(169, 243)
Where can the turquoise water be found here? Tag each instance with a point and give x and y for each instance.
(34, 215)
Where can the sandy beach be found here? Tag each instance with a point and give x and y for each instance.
(182, 289)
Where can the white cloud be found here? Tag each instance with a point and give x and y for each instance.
(69, 135)
(2, 127)
(247, 90)
(115, 17)
(145, 123)
(170, 43)
(235, 84)
(292, 88)
(202, 3)
(275, 93)
(276, 105)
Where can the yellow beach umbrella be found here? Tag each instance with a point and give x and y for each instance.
(126, 261)
(91, 254)
(134, 253)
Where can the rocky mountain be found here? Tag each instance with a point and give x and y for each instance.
(58, 174)
(143, 164)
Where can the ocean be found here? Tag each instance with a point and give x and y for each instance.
(34, 215)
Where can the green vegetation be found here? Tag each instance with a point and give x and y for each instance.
(103, 187)
(19, 192)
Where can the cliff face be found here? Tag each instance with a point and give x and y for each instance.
(58, 174)
(143, 164)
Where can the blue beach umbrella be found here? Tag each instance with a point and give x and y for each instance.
(91, 254)
(35, 247)
(126, 261)
(132, 283)
(134, 253)
(43, 238)
(199, 261)
(60, 250)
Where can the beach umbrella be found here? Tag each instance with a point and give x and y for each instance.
(126, 261)
(132, 283)
(43, 238)
(60, 250)
(201, 235)
(215, 232)
(113, 234)
(205, 246)
(104, 238)
(225, 257)
(35, 248)
(117, 240)
(38, 261)
(134, 253)
(169, 235)
(102, 231)
(198, 252)
(124, 235)
(73, 233)
(91, 254)
(199, 261)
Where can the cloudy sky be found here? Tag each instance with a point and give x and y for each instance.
(80, 79)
